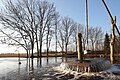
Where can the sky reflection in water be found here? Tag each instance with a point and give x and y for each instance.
(8, 65)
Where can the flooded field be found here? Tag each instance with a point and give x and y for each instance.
(49, 69)
(10, 69)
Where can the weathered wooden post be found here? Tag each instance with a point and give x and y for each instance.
(113, 26)
(112, 42)
(79, 46)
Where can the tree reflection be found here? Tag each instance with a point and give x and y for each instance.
(30, 65)
(19, 66)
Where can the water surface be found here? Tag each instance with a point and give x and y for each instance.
(49, 69)
(9, 67)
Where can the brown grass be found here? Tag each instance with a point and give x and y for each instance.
(25, 55)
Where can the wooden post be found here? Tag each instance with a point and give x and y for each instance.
(112, 42)
(87, 22)
(79, 46)
(113, 25)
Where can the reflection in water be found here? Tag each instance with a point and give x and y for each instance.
(56, 59)
(31, 70)
(28, 67)
(39, 64)
(45, 62)
(19, 69)
(32, 65)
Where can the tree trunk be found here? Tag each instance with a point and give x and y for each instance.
(27, 53)
(56, 44)
(66, 48)
(47, 45)
(40, 49)
(37, 46)
(32, 48)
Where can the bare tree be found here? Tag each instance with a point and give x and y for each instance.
(15, 18)
(48, 38)
(53, 24)
(78, 28)
(95, 36)
(67, 30)
(61, 39)
(28, 19)
(57, 20)
(46, 13)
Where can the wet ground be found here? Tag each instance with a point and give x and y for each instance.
(52, 71)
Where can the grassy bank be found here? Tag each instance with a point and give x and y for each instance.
(35, 55)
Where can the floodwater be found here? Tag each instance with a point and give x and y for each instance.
(49, 69)
(29, 69)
